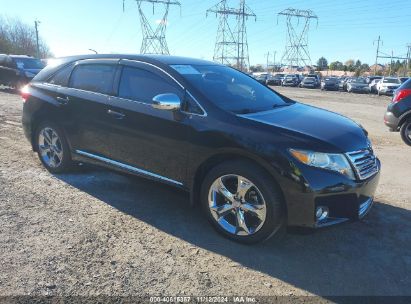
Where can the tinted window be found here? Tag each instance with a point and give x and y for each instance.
(28, 63)
(230, 89)
(141, 85)
(62, 77)
(94, 77)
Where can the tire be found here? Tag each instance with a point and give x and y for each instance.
(262, 192)
(58, 158)
(406, 132)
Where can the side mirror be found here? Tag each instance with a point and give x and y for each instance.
(169, 102)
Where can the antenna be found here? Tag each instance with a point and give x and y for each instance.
(296, 51)
(154, 39)
(231, 47)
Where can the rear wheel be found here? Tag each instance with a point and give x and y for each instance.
(52, 148)
(406, 132)
(242, 202)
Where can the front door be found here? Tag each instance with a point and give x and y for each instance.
(149, 139)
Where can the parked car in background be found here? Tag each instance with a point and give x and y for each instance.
(404, 79)
(369, 79)
(309, 83)
(262, 78)
(252, 159)
(341, 82)
(316, 76)
(290, 80)
(330, 83)
(388, 85)
(18, 70)
(346, 82)
(358, 85)
(276, 80)
(398, 115)
(373, 86)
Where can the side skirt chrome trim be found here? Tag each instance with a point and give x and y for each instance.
(128, 167)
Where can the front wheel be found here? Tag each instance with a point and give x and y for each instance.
(406, 132)
(52, 148)
(242, 202)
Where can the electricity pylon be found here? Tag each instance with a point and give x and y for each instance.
(231, 47)
(154, 39)
(296, 51)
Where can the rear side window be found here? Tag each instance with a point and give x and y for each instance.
(141, 85)
(61, 78)
(93, 77)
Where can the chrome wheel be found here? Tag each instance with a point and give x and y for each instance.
(237, 205)
(50, 147)
(408, 131)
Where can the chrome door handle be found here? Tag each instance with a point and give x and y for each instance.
(116, 115)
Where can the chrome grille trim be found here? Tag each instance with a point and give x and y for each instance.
(364, 162)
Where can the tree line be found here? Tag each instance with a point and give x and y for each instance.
(394, 68)
(19, 38)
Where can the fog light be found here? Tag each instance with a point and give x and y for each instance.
(321, 213)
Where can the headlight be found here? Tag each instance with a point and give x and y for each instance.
(333, 162)
(29, 74)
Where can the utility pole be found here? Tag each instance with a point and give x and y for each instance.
(408, 59)
(376, 56)
(36, 26)
(268, 56)
(275, 67)
(392, 55)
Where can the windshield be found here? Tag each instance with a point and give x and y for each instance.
(391, 80)
(230, 89)
(29, 63)
(360, 80)
(279, 76)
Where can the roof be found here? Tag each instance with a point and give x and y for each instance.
(165, 59)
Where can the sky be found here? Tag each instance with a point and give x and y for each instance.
(347, 29)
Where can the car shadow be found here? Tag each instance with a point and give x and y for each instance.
(370, 257)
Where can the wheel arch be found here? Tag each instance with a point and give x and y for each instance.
(46, 112)
(403, 118)
(221, 157)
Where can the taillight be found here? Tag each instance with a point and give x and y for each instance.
(25, 93)
(401, 94)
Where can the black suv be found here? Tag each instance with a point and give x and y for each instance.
(17, 70)
(253, 159)
(398, 115)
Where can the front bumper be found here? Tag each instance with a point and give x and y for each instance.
(345, 199)
(387, 91)
(360, 89)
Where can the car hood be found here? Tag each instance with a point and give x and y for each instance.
(339, 132)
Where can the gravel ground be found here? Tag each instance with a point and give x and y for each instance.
(94, 232)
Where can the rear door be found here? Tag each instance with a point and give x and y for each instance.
(149, 139)
(86, 102)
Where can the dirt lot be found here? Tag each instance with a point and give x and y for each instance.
(94, 232)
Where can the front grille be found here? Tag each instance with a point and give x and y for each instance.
(364, 162)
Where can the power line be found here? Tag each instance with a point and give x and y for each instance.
(296, 51)
(154, 39)
(231, 45)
